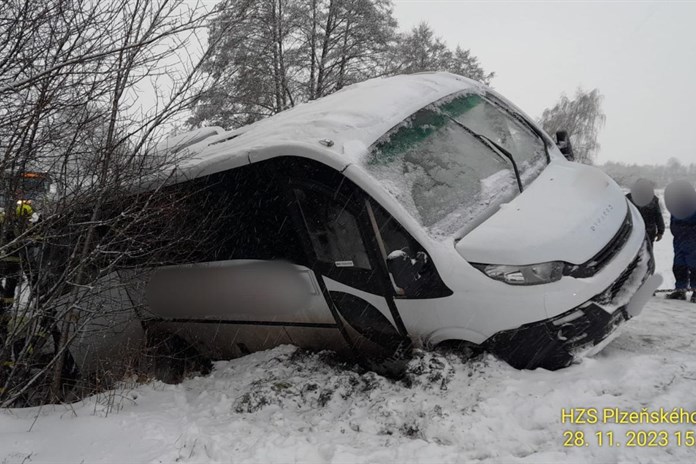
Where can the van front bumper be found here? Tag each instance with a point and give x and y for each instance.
(555, 342)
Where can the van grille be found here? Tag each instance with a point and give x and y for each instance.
(616, 287)
(609, 295)
(606, 254)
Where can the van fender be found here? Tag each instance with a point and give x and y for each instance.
(454, 333)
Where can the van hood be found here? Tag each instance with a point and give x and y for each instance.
(569, 213)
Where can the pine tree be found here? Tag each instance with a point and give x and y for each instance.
(421, 50)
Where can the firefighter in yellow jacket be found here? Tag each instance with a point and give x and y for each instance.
(10, 261)
(12, 251)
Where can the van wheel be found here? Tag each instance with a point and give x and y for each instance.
(172, 358)
(462, 349)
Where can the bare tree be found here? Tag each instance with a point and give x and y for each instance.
(251, 65)
(71, 76)
(284, 52)
(348, 41)
(582, 117)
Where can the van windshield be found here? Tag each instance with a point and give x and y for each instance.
(444, 175)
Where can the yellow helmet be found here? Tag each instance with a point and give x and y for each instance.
(24, 209)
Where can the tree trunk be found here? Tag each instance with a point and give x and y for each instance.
(325, 49)
(344, 57)
(278, 90)
(281, 57)
(313, 53)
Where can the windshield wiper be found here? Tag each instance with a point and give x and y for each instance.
(493, 145)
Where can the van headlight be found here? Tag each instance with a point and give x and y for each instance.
(531, 274)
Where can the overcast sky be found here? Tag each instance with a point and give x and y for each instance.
(640, 55)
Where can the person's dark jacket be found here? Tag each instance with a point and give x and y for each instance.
(652, 216)
(684, 232)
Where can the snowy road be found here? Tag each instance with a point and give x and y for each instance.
(285, 406)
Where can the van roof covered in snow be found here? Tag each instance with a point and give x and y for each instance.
(340, 127)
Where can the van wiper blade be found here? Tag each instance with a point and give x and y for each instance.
(508, 155)
(496, 146)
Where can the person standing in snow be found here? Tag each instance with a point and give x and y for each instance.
(643, 196)
(680, 198)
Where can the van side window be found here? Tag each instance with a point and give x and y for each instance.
(395, 238)
(333, 231)
(230, 215)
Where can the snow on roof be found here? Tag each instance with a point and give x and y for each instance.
(181, 141)
(352, 119)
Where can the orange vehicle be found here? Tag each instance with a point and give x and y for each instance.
(28, 186)
(32, 185)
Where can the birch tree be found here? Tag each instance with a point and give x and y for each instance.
(582, 117)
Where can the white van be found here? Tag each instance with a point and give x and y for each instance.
(416, 210)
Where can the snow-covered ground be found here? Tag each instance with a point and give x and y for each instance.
(288, 406)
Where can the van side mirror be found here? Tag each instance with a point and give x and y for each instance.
(405, 270)
(563, 143)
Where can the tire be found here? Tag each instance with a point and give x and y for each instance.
(461, 348)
